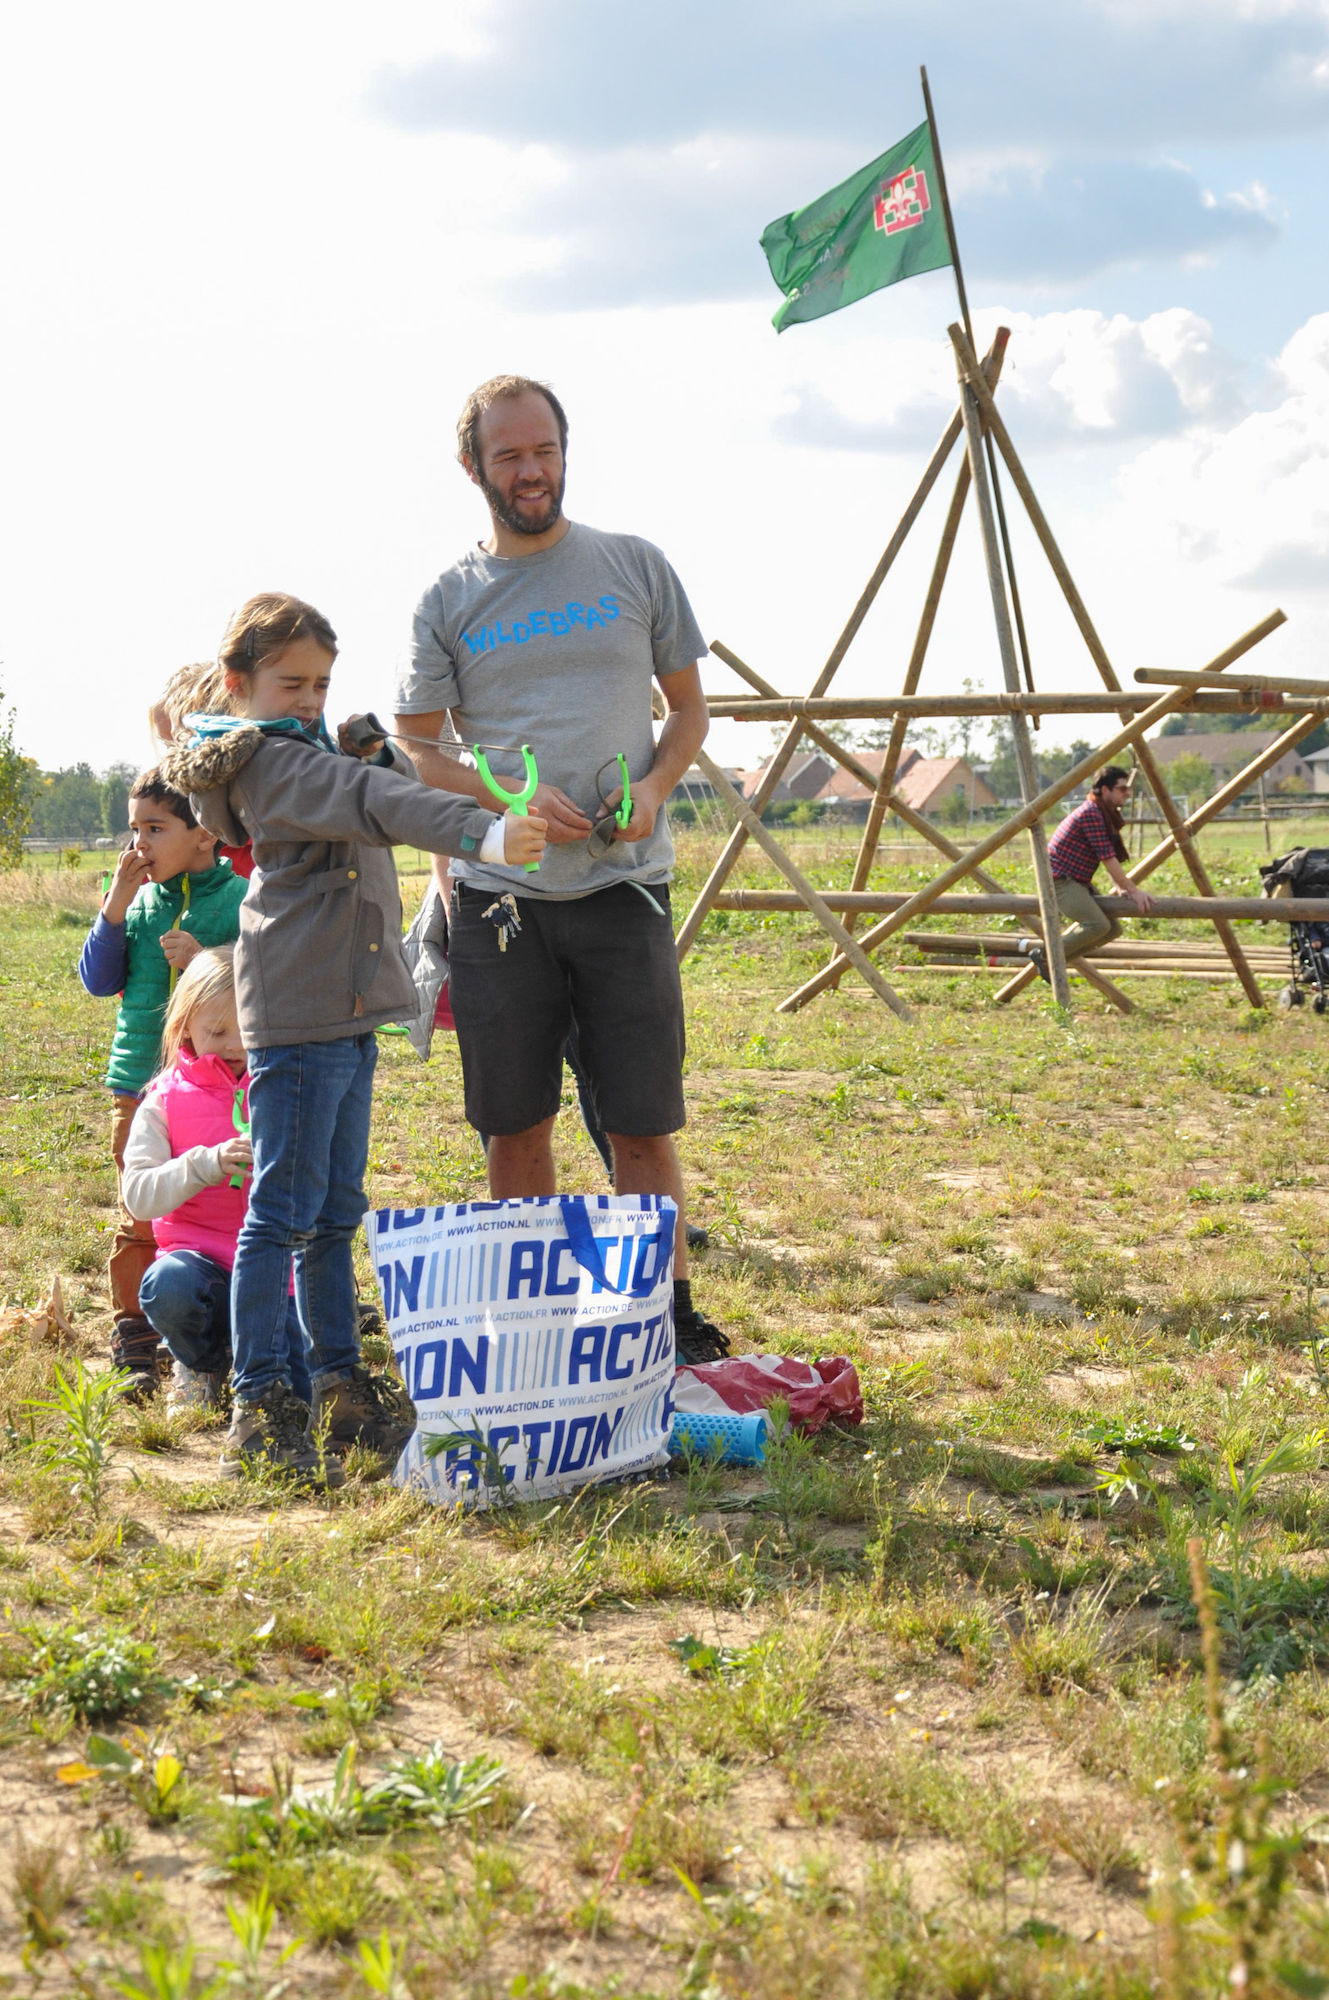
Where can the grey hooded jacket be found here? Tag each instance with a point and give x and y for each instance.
(319, 955)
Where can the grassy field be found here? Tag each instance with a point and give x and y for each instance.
(947, 1729)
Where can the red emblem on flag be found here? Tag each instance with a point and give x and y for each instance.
(903, 201)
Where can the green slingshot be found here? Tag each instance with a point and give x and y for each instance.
(519, 801)
(617, 817)
(241, 1124)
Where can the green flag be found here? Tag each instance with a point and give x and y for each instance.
(883, 224)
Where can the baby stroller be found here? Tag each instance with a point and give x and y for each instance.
(1303, 873)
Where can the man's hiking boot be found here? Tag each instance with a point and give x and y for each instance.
(1032, 949)
(191, 1389)
(371, 1410)
(134, 1348)
(696, 1341)
(272, 1435)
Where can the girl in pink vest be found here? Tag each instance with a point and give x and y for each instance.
(187, 1165)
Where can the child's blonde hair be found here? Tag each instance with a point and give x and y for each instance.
(208, 976)
(200, 688)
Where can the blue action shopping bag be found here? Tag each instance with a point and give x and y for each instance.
(536, 1336)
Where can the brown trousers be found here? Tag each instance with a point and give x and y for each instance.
(1089, 922)
(135, 1246)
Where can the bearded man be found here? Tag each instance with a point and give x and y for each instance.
(550, 633)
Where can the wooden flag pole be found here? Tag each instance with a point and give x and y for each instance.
(1024, 755)
(943, 194)
(885, 785)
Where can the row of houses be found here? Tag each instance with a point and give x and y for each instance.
(950, 785)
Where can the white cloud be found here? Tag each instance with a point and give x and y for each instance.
(1072, 378)
(1248, 503)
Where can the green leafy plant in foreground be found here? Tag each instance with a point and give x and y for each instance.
(428, 1790)
(93, 1679)
(697, 1656)
(1268, 1613)
(1132, 1434)
(86, 1406)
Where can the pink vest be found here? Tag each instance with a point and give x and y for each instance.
(199, 1097)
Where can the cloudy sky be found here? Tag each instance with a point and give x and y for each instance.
(254, 257)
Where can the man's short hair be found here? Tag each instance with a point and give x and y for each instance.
(1111, 774)
(152, 785)
(501, 389)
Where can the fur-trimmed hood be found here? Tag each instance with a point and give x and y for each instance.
(203, 763)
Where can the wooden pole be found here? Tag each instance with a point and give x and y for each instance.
(696, 916)
(829, 923)
(1009, 903)
(951, 238)
(1144, 756)
(776, 707)
(1255, 683)
(1116, 948)
(1024, 756)
(1167, 704)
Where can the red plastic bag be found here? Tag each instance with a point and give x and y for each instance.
(817, 1392)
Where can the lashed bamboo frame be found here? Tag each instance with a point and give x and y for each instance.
(978, 415)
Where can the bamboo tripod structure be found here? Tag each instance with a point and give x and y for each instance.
(980, 424)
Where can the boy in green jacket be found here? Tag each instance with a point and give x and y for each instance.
(170, 897)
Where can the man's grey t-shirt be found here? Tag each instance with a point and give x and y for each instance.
(557, 649)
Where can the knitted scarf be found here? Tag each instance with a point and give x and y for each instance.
(1112, 816)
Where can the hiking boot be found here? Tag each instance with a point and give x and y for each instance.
(272, 1435)
(360, 1408)
(696, 1340)
(134, 1348)
(698, 1238)
(1032, 949)
(192, 1389)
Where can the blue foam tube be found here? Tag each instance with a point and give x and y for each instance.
(742, 1439)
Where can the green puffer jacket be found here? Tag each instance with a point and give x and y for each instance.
(213, 917)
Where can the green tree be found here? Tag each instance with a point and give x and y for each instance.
(67, 805)
(15, 812)
(1191, 776)
(115, 798)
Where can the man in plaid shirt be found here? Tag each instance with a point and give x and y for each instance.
(1090, 834)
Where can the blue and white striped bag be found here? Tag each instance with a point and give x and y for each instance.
(536, 1338)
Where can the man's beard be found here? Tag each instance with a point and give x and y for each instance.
(523, 524)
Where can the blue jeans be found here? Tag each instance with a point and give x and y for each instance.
(186, 1299)
(309, 1108)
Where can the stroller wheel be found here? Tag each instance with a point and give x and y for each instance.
(1320, 1002)
(1292, 996)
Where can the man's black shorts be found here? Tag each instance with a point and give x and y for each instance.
(609, 959)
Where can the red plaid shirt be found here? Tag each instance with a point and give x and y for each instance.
(1080, 843)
